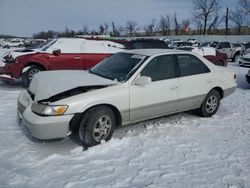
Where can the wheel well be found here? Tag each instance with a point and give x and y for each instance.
(220, 91)
(236, 53)
(75, 121)
(33, 64)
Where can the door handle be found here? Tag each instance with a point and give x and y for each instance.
(173, 87)
(77, 57)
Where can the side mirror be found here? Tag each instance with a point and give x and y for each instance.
(56, 52)
(143, 80)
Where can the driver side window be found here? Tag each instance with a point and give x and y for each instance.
(160, 68)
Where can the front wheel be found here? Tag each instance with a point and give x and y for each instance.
(29, 74)
(96, 126)
(210, 105)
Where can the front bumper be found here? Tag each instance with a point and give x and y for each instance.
(7, 78)
(13, 70)
(248, 78)
(229, 91)
(42, 127)
(49, 127)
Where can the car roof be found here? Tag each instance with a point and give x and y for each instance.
(152, 52)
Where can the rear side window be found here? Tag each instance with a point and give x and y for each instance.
(191, 65)
(160, 68)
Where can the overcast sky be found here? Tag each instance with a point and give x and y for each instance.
(26, 17)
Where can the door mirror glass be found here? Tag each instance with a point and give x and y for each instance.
(143, 80)
(56, 52)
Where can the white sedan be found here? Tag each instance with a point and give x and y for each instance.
(128, 87)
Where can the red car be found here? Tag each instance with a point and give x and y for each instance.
(65, 53)
(220, 59)
(212, 55)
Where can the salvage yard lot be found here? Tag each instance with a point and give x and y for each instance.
(181, 150)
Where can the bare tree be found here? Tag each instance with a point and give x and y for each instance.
(245, 4)
(176, 24)
(116, 32)
(131, 27)
(238, 17)
(164, 24)
(185, 26)
(106, 28)
(85, 29)
(198, 25)
(215, 21)
(226, 20)
(150, 28)
(101, 29)
(204, 10)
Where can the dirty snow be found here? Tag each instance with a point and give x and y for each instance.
(181, 150)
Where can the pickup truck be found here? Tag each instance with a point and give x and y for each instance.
(228, 48)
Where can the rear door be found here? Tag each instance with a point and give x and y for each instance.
(195, 81)
(159, 97)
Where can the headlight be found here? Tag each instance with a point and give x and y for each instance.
(48, 110)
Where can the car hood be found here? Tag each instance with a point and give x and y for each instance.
(50, 83)
(18, 53)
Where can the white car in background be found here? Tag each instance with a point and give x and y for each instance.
(128, 87)
(14, 43)
(244, 60)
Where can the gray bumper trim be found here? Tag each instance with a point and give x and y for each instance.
(229, 91)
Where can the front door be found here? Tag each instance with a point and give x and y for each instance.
(160, 97)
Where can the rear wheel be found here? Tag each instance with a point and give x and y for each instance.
(210, 105)
(96, 126)
(29, 74)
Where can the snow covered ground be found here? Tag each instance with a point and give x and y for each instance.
(181, 150)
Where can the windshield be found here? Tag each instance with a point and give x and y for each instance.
(120, 66)
(46, 46)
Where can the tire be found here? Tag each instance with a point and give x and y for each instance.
(29, 74)
(220, 63)
(236, 57)
(96, 126)
(210, 104)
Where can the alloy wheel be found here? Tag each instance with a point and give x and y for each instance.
(102, 128)
(212, 103)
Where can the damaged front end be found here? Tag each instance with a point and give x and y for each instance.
(72, 92)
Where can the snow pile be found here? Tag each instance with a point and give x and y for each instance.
(70, 45)
(75, 45)
(181, 150)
